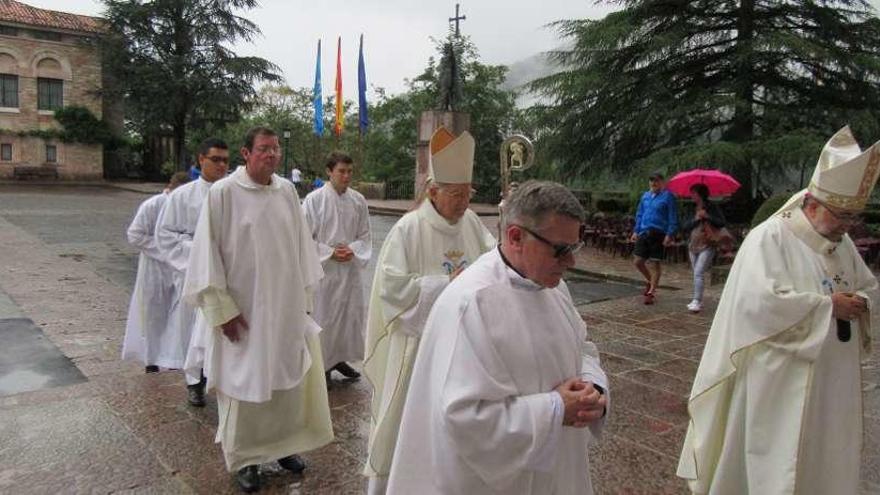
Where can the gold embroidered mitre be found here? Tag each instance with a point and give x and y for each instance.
(845, 175)
(452, 158)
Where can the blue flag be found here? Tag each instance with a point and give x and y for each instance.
(318, 102)
(363, 120)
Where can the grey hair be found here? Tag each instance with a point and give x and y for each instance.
(533, 200)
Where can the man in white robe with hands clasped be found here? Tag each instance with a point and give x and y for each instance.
(340, 223)
(146, 331)
(506, 393)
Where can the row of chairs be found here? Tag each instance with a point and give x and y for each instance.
(613, 235)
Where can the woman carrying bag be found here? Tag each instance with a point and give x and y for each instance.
(706, 231)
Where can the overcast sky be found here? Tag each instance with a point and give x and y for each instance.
(396, 33)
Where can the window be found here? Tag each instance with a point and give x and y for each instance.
(46, 35)
(8, 91)
(9, 30)
(49, 93)
(6, 152)
(51, 153)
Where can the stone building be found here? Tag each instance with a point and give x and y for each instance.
(48, 59)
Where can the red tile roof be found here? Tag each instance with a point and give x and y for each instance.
(19, 13)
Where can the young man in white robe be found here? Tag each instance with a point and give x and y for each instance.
(174, 234)
(145, 338)
(424, 251)
(507, 393)
(340, 223)
(252, 262)
(776, 406)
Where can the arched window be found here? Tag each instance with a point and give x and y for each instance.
(51, 71)
(8, 81)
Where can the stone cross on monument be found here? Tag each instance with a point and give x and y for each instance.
(456, 20)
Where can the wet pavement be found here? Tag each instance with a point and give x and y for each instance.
(65, 278)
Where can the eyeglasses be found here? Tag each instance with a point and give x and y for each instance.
(275, 150)
(559, 250)
(218, 159)
(840, 217)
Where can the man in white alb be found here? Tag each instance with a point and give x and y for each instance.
(252, 263)
(340, 223)
(423, 252)
(145, 331)
(507, 393)
(174, 234)
(776, 406)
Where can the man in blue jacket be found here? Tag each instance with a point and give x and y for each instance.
(656, 224)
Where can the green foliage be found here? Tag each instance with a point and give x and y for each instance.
(78, 125)
(687, 83)
(81, 126)
(169, 60)
(769, 207)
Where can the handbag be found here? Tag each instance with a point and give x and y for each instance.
(718, 237)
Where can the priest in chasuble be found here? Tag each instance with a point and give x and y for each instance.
(423, 252)
(507, 393)
(776, 406)
(252, 264)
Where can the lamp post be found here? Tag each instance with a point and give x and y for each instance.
(286, 135)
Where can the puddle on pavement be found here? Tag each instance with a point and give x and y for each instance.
(30, 361)
(586, 289)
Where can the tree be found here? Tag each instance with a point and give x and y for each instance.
(171, 63)
(712, 77)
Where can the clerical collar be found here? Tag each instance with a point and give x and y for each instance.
(516, 277)
(800, 226)
(429, 213)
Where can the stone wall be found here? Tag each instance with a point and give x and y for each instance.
(76, 62)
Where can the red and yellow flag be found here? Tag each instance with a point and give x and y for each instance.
(340, 111)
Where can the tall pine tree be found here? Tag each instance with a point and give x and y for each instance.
(171, 63)
(724, 78)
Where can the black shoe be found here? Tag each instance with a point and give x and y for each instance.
(327, 378)
(195, 395)
(248, 479)
(346, 370)
(292, 463)
(151, 369)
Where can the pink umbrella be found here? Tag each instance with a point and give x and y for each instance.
(719, 183)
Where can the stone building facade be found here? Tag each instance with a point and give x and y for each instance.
(48, 60)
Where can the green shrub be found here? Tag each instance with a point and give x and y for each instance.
(612, 206)
(769, 207)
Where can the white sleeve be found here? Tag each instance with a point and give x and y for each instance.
(173, 236)
(412, 321)
(363, 244)
(591, 371)
(141, 232)
(313, 219)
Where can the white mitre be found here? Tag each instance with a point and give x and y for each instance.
(451, 158)
(845, 175)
